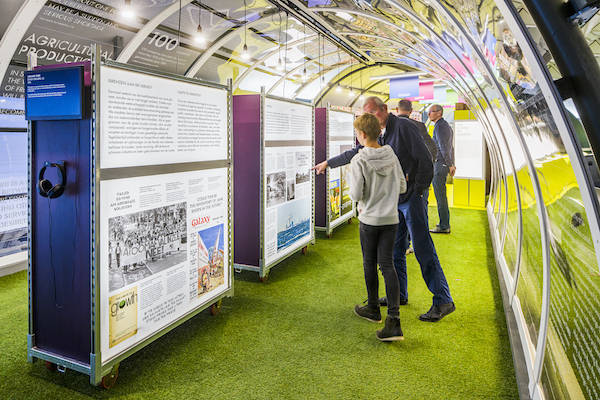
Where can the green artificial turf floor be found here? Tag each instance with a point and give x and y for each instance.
(296, 337)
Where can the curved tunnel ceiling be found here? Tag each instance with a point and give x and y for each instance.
(290, 42)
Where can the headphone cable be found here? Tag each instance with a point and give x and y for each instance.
(51, 254)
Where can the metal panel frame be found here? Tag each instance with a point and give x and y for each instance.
(329, 227)
(264, 267)
(31, 63)
(96, 369)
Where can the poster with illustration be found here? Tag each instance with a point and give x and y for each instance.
(163, 252)
(341, 139)
(288, 181)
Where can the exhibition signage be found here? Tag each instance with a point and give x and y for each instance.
(164, 247)
(468, 148)
(288, 181)
(146, 195)
(149, 120)
(334, 134)
(11, 113)
(404, 87)
(425, 92)
(273, 155)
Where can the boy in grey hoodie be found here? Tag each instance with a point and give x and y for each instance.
(376, 181)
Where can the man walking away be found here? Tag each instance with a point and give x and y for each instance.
(444, 165)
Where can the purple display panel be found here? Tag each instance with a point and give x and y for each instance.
(60, 239)
(321, 155)
(246, 179)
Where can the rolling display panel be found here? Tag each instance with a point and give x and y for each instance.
(274, 185)
(334, 134)
(147, 199)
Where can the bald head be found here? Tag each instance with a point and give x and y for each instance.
(374, 105)
(436, 112)
(375, 101)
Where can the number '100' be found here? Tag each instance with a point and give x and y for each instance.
(161, 40)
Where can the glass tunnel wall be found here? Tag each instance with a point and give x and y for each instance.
(542, 202)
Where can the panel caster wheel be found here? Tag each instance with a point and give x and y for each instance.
(350, 221)
(50, 366)
(215, 308)
(328, 237)
(304, 250)
(264, 279)
(109, 380)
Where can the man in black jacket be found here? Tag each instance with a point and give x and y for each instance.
(444, 165)
(404, 110)
(403, 136)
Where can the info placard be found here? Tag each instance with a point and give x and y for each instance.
(288, 157)
(163, 252)
(149, 120)
(341, 138)
(468, 145)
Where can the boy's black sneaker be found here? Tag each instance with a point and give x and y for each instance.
(368, 313)
(392, 331)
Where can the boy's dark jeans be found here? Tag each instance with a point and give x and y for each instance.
(377, 243)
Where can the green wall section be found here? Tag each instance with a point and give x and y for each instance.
(296, 337)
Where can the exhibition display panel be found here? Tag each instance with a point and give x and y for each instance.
(274, 184)
(334, 134)
(130, 186)
(469, 155)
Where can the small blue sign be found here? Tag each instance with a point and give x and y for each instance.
(54, 94)
(404, 87)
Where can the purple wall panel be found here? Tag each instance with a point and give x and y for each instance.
(246, 178)
(60, 236)
(321, 155)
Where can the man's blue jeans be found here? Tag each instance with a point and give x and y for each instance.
(440, 173)
(413, 219)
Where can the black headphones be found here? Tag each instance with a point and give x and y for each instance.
(45, 187)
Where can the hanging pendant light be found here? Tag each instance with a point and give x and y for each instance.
(245, 53)
(127, 11)
(199, 37)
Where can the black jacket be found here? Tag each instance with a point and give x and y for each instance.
(429, 142)
(404, 138)
(444, 138)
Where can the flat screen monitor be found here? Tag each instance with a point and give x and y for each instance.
(53, 94)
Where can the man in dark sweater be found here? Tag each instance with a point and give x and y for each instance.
(404, 110)
(444, 165)
(403, 136)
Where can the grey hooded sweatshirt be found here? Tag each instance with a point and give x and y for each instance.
(376, 182)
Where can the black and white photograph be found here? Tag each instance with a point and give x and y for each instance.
(302, 176)
(275, 188)
(145, 243)
(302, 167)
(291, 190)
